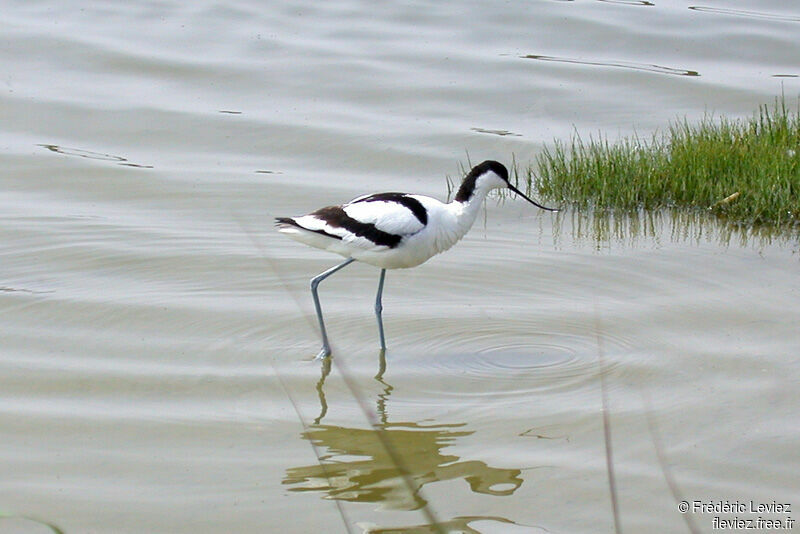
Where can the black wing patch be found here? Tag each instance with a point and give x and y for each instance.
(335, 216)
(413, 205)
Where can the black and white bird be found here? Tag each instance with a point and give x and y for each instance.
(394, 230)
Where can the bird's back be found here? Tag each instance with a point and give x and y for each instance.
(371, 228)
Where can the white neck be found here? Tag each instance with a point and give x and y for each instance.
(467, 211)
(459, 218)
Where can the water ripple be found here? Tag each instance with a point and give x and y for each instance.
(643, 3)
(512, 360)
(501, 133)
(88, 154)
(647, 67)
(744, 13)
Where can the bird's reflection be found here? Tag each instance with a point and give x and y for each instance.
(323, 404)
(359, 468)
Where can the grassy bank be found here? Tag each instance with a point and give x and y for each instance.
(747, 171)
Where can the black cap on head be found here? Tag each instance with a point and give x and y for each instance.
(468, 186)
(490, 165)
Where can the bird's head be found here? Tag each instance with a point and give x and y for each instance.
(491, 175)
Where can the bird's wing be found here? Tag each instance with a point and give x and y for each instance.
(393, 213)
(374, 222)
(336, 223)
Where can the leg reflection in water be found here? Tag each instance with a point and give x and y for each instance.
(359, 468)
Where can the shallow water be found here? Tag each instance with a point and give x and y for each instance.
(157, 333)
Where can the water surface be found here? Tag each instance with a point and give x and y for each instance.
(157, 333)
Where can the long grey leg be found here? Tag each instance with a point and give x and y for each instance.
(379, 308)
(326, 348)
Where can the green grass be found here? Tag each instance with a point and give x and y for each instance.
(747, 170)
